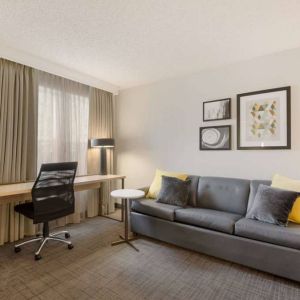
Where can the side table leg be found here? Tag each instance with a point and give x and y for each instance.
(126, 238)
(122, 205)
(126, 219)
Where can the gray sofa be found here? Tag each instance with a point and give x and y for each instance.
(214, 223)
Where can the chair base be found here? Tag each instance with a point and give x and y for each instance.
(43, 240)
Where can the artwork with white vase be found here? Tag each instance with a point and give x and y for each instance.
(217, 110)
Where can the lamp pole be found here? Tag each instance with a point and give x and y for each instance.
(103, 162)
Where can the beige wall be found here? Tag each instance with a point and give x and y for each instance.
(158, 124)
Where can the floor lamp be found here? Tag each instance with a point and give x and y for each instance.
(103, 144)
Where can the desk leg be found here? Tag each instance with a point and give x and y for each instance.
(122, 202)
(126, 238)
(122, 205)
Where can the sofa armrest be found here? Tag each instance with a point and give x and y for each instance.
(144, 189)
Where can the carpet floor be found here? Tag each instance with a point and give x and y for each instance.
(95, 270)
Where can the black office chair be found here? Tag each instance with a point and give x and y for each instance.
(52, 198)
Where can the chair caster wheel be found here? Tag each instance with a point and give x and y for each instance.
(70, 246)
(17, 249)
(67, 235)
(37, 257)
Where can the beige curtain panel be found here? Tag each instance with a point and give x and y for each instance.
(21, 90)
(101, 120)
(18, 136)
(63, 130)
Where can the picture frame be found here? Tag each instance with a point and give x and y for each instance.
(217, 110)
(215, 138)
(264, 119)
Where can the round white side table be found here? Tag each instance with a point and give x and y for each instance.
(125, 195)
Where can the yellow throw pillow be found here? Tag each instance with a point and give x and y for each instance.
(156, 184)
(286, 183)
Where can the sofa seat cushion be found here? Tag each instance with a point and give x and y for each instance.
(153, 208)
(208, 218)
(283, 236)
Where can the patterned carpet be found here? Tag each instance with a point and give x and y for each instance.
(95, 270)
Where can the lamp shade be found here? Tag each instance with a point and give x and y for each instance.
(99, 143)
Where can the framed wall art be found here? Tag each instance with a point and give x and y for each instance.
(215, 138)
(217, 110)
(264, 119)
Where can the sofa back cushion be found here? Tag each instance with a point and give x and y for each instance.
(254, 184)
(225, 194)
(192, 199)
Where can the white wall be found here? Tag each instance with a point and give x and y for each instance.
(158, 124)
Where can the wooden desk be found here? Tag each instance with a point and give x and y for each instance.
(10, 193)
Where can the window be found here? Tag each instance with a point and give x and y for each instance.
(63, 113)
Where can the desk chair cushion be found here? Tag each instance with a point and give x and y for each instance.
(25, 209)
(57, 210)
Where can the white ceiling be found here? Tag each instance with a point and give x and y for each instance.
(135, 42)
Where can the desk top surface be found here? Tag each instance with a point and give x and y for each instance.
(25, 188)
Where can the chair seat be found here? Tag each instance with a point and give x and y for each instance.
(153, 208)
(284, 236)
(208, 218)
(56, 210)
(25, 209)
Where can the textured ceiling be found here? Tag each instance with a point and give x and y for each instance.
(134, 42)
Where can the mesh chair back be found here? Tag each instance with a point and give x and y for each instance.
(53, 191)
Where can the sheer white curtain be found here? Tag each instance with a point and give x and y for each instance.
(63, 116)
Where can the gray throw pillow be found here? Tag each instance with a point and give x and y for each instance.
(174, 191)
(272, 205)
